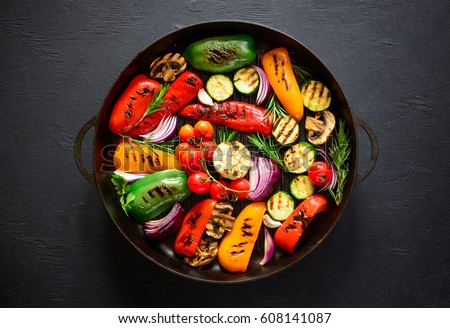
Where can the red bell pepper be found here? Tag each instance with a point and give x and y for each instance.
(237, 115)
(132, 104)
(192, 228)
(180, 93)
(289, 233)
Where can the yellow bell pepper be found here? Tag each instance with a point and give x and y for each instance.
(278, 68)
(237, 245)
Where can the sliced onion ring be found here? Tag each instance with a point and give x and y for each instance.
(167, 226)
(165, 129)
(264, 86)
(130, 177)
(264, 177)
(269, 247)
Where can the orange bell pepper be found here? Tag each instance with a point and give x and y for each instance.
(237, 245)
(137, 158)
(278, 67)
(289, 233)
(192, 228)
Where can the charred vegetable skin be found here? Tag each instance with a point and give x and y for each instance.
(157, 193)
(289, 233)
(221, 54)
(194, 223)
(237, 246)
(132, 104)
(180, 93)
(237, 115)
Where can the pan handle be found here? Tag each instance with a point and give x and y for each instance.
(373, 151)
(89, 176)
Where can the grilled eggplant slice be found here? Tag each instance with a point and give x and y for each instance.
(316, 95)
(299, 157)
(286, 130)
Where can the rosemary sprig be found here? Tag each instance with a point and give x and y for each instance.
(157, 101)
(226, 135)
(301, 72)
(274, 110)
(165, 146)
(267, 146)
(339, 152)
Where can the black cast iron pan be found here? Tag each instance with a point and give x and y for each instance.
(161, 253)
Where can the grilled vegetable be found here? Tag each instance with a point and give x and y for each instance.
(237, 115)
(192, 228)
(280, 205)
(301, 187)
(286, 130)
(132, 104)
(156, 193)
(204, 97)
(167, 67)
(246, 80)
(221, 54)
(289, 233)
(237, 246)
(219, 87)
(205, 253)
(316, 95)
(299, 157)
(220, 220)
(278, 67)
(132, 157)
(320, 127)
(232, 160)
(180, 93)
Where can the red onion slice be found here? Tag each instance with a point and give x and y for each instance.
(269, 247)
(167, 226)
(264, 177)
(130, 177)
(332, 183)
(264, 86)
(165, 129)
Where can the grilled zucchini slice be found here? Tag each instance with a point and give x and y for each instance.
(246, 80)
(219, 87)
(316, 95)
(301, 187)
(286, 130)
(299, 157)
(232, 160)
(280, 205)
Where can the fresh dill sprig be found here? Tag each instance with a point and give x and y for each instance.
(274, 109)
(157, 101)
(339, 152)
(225, 135)
(267, 146)
(301, 72)
(165, 146)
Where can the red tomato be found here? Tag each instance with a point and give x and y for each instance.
(240, 184)
(192, 160)
(208, 147)
(181, 148)
(199, 182)
(217, 192)
(186, 132)
(319, 173)
(203, 129)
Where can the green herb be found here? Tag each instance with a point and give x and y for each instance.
(339, 152)
(157, 101)
(267, 146)
(226, 135)
(301, 72)
(165, 146)
(122, 187)
(274, 109)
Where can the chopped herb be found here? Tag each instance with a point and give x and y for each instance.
(157, 101)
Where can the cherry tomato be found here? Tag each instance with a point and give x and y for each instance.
(217, 192)
(199, 182)
(208, 147)
(186, 132)
(203, 129)
(319, 173)
(240, 184)
(181, 148)
(192, 160)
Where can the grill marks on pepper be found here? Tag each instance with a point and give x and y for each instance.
(221, 55)
(161, 191)
(280, 70)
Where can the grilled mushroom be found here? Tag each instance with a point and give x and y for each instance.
(205, 253)
(220, 220)
(167, 66)
(320, 127)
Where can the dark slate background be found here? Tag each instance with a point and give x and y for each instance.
(58, 246)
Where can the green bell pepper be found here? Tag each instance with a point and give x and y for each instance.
(221, 54)
(156, 193)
